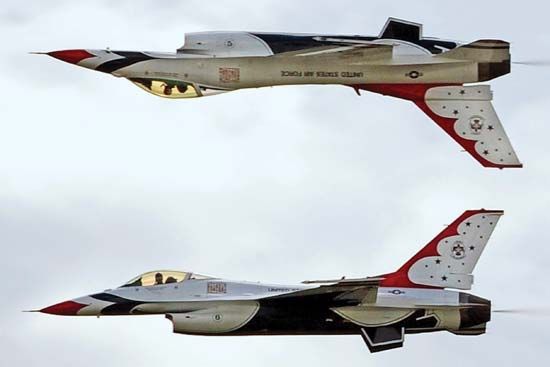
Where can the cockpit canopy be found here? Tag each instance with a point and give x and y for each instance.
(174, 88)
(159, 277)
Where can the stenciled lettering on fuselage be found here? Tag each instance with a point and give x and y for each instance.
(321, 74)
(162, 74)
(216, 287)
(230, 75)
(283, 289)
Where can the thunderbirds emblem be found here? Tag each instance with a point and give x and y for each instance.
(458, 250)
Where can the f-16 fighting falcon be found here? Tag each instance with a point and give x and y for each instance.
(400, 62)
(416, 298)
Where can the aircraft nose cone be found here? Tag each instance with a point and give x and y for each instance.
(71, 56)
(67, 308)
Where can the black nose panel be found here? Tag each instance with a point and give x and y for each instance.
(120, 306)
(129, 58)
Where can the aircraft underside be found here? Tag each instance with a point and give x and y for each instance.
(318, 316)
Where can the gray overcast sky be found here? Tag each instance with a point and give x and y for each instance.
(100, 181)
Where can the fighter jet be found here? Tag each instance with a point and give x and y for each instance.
(417, 298)
(399, 62)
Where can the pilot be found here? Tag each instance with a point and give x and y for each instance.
(167, 89)
(158, 278)
(182, 88)
(171, 280)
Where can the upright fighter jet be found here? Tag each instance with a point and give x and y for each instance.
(399, 62)
(416, 298)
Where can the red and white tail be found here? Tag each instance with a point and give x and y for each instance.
(465, 113)
(449, 259)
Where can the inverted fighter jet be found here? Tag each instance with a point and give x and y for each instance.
(400, 62)
(416, 298)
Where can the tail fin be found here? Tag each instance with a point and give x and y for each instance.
(492, 56)
(465, 113)
(449, 259)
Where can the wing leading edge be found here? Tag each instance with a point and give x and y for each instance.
(362, 290)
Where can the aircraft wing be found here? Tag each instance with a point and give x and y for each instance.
(364, 52)
(352, 290)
